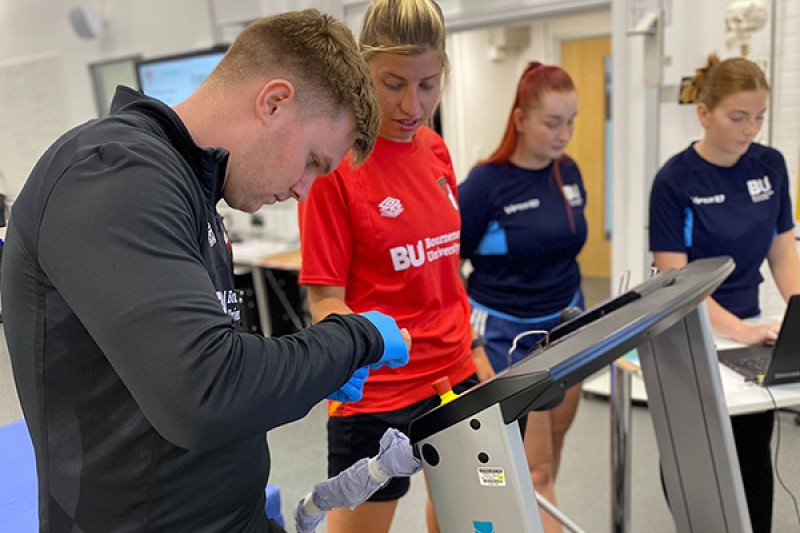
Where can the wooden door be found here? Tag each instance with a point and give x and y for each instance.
(585, 60)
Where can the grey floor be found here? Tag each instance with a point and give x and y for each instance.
(298, 458)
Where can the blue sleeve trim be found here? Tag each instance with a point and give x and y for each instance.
(688, 227)
(493, 241)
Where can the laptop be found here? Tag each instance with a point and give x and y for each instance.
(771, 365)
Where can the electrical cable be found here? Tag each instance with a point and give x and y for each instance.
(522, 335)
(777, 450)
(545, 504)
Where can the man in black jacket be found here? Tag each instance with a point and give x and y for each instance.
(147, 408)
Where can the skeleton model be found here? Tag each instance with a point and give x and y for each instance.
(744, 18)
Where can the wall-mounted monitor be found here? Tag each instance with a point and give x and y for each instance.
(172, 79)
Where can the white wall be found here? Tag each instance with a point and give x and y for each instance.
(37, 39)
(36, 31)
(45, 84)
(481, 89)
(475, 103)
(692, 30)
(686, 46)
(786, 87)
(477, 98)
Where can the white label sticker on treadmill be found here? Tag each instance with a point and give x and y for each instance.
(490, 476)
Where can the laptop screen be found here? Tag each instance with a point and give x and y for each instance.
(785, 364)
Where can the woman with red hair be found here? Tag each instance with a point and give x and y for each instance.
(522, 228)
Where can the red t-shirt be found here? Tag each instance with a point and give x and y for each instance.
(388, 232)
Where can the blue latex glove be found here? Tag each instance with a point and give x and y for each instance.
(395, 352)
(353, 390)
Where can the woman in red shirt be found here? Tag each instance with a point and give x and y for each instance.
(385, 236)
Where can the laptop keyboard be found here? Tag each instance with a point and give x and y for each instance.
(755, 365)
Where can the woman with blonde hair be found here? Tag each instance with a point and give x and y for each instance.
(728, 195)
(385, 235)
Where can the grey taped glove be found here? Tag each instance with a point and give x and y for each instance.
(355, 485)
(350, 488)
(308, 516)
(396, 457)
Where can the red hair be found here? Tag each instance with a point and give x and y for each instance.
(536, 80)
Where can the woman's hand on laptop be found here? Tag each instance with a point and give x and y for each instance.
(758, 334)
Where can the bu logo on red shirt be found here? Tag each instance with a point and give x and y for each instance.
(407, 256)
(430, 249)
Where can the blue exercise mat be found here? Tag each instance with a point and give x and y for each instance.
(18, 496)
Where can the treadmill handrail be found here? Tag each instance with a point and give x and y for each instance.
(543, 375)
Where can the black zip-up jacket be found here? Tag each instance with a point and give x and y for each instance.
(147, 407)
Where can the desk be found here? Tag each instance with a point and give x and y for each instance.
(286, 261)
(260, 259)
(252, 253)
(740, 397)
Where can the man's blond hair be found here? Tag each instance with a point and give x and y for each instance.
(320, 57)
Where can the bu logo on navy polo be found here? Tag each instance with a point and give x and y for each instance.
(573, 195)
(760, 189)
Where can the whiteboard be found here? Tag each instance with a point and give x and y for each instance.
(33, 114)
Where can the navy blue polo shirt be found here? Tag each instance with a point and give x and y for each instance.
(516, 232)
(704, 210)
